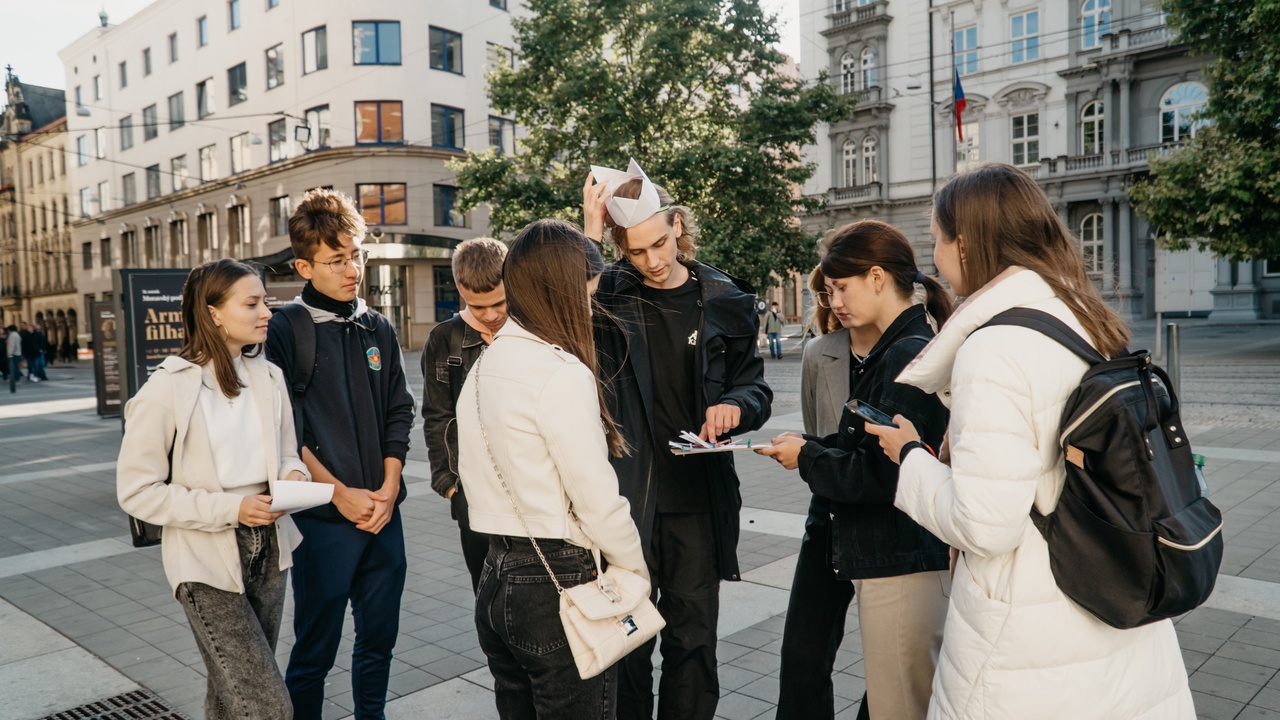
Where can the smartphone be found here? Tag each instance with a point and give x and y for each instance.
(869, 413)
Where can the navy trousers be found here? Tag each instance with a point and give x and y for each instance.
(337, 563)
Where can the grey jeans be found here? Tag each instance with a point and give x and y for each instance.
(237, 633)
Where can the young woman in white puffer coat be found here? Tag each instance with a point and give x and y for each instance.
(1015, 647)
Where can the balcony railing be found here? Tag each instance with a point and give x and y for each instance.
(1115, 160)
(1143, 154)
(855, 15)
(855, 194)
(1126, 39)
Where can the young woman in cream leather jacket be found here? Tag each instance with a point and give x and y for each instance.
(224, 414)
(534, 394)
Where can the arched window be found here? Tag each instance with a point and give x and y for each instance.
(850, 153)
(867, 65)
(869, 172)
(1091, 237)
(1091, 129)
(1095, 21)
(1178, 109)
(848, 74)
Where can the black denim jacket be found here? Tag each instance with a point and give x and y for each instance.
(871, 538)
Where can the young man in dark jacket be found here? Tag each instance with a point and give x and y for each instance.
(355, 418)
(451, 350)
(677, 350)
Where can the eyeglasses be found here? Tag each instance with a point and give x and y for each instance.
(339, 265)
(824, 299)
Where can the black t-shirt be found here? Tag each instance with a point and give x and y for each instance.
(673, 320)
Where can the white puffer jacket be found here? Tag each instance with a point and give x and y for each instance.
(1015, 648)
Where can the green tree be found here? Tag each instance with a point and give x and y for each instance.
(692, 89)
(1222, 191)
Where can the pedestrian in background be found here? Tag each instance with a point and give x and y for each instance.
(1015, 645)
(30, 350)
(43, 351)
(534, 441)
(13, 351)
(773, 331)
(898, 568)
(204, 439)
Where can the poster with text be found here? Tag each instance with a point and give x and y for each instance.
(152, 312)
(106, 358)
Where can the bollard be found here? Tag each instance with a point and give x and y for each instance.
(1173, 362)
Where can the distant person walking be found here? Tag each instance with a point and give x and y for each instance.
(29, 350)
(773, 331)
(13, 350)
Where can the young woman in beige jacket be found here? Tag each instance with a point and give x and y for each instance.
(205, 437)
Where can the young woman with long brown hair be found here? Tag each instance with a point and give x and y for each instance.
(532, 400)
(1015, 645)
(204, 438)
(897, 567)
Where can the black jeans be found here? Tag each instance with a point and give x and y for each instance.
(518, 621)
(475, 546)
(686, 585)
(811, 637)
(237, 633)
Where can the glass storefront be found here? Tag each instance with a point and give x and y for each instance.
(447, 300)
(386, 290)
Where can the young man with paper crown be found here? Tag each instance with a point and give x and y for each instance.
(677, 350)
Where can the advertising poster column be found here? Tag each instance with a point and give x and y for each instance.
(151, 309)
(106, 358)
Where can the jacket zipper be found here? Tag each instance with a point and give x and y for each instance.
(1062, 439)
(1197, 546)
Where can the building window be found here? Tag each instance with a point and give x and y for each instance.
(277, 141)
(130, 256)
(82, 157)
(1091, 245)
(848, 74)
(150, 125)
(233, 15)
(86, 256)
(178, 169)
(146, 62)
(382, 204)
(317, 119)
(79, 97)
(173, 48)
(124, 74)
(502, 135)
(272, 4)
(177, 117)
(237, 80)
(1179, 112)
(126, 132)
(100, 149)
(1271, 267)
(129, 189)
(315, 50)
(151, 245)
(208, 163)
(379, 123)
(280, 216)
(239, 153)
(499, 55)
(867, 68)
(237, 229)
(376, 43)
(104, 196)
(1095, 21)
(153, 182)
(968, 152)
(105, 252)
(446, 50)
(500, 4)
(849, 153)
(86, 203)
(1026, 139)
(97, 87)
(870, 173)
(966, 43)
(275, 66)
(1025, 32)
(447, 127)
(204, 98)
(206, 236)
(1092, 130)
(178, 239)
(446, 203)
(202, 31)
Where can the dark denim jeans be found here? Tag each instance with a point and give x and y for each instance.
(518, 621)
(237, 633)
(475, 546)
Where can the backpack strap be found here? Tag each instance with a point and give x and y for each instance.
(304, 359)
(1051, 327)
(457, 371)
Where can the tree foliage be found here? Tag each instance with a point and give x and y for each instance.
(601, 81)
(1222, 191)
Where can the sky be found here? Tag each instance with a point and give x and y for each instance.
(33, 32)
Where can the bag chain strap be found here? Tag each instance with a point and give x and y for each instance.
(503, 480)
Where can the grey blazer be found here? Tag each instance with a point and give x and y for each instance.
(824, 382)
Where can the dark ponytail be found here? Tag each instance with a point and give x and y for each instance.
(857, 247)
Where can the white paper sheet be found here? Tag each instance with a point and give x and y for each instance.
(293, 495)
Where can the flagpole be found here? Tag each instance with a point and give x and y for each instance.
(955, 146)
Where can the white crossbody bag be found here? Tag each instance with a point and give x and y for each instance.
(603, 620)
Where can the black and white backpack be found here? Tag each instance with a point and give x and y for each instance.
(1133, 539)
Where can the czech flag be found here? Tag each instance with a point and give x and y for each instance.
(960, 105)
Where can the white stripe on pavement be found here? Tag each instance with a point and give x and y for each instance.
(60, 472)
(59, 557)
(23, 410)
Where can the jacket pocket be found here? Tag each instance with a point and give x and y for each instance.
(442, 372)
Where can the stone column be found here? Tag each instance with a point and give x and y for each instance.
(1112, 119)
(1122, 114)
(1124, 245)
(1236, 300)
(1108, 244)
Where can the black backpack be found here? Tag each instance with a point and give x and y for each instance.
(304, 358)
(1133, 539)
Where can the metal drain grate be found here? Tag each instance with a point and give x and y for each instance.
(136, 705)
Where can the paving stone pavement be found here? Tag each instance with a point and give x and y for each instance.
(69, 575)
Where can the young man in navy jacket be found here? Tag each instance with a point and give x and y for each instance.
(355, 417)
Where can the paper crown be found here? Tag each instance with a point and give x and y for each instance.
(627, 212)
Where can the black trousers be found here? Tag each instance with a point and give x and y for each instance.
(686, 585)
(475, 546)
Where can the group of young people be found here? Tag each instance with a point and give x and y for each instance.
(548, 404)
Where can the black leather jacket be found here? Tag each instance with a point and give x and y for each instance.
(871, 538)
(441, 382)
(730, 371)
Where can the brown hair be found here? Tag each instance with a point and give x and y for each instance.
(1004, 219)
(319, 219)
(546, 276)
(477, 264)
(822, 321)
(207, 286)
(860, 246)
(686, 243)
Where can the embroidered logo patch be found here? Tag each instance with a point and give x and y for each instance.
(374, 357)
(693, 338)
